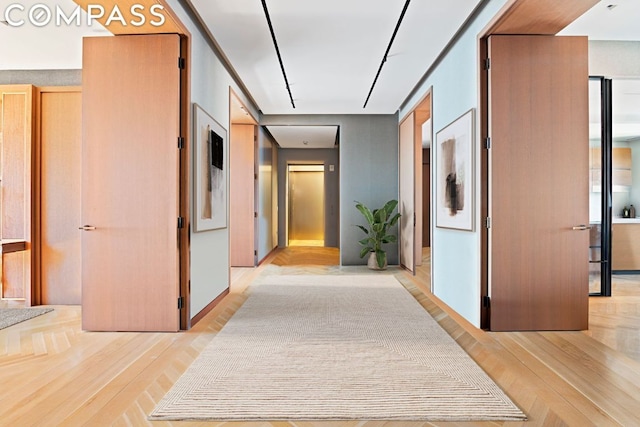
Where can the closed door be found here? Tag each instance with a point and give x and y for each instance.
(60, 121)
(130, 183)
(538, 125)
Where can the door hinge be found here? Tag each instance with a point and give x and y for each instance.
(486, 301)
(486, 63)
(487, 222)
(180, 143)
(255, 214)
(414, 219)
(180, 222)
(182, 63)
(255, 176)
(487, 143)
(180, 303)
(255, 253)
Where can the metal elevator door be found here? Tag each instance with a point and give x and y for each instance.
(306, 205)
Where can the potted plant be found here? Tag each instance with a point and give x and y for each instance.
(379, 220)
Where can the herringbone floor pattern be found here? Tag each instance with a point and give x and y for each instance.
(54, 374)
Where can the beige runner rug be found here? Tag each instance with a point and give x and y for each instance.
(11, 316)
(334, 348)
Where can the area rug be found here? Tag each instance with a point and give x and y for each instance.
(11, 316)
(334, 348)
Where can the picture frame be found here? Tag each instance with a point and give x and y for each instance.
(455, 181)
(210, 166)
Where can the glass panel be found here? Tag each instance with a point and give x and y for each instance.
(595, 186)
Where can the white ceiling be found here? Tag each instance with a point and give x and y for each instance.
(49, 47)
(304, 136)
(609, 20)
(332, 49)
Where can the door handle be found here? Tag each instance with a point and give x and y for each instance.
(87, 228)
(582, 227)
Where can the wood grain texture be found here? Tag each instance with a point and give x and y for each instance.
(60, 375)
(59, 146)
(130, 177)
(242, 192)
(16, 134)
(538, 120)
(538, 17)
(625, 247)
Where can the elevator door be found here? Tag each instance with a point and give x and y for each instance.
(306, 205)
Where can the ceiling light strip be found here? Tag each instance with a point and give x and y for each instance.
(275, 44)
(384, 58)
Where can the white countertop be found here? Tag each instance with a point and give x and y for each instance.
(620, 220)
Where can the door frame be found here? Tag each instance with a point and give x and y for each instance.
(421, 111)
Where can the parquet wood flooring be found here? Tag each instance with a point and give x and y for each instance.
(306, 255)
(54, 374)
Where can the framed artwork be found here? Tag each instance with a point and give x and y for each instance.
(210, 172)
(454, 169)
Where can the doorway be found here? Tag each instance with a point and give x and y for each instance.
(305, 211)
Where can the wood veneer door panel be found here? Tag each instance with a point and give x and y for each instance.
(16, 131)
(538, 124)
(242, 181)
(130, 183)
(60, 168)
(406, 205)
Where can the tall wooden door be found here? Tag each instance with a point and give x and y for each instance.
(130, 183)
(406, 205)
(60, 149)
(538, 171)
(242, 177)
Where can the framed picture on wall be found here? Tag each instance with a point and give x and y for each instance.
(210, 172)
(454, 173)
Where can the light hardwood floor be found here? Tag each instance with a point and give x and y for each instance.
(54, 374)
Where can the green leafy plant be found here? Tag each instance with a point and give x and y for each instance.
(379, 221)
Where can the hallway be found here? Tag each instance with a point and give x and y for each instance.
(115, 378)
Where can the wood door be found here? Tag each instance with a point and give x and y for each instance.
(242, 181)
(538, 125)
(60, 150)
(406, 205)
(130, 183)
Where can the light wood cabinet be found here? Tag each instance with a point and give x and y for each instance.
(621, 167)
(625, 247)
(16, 133)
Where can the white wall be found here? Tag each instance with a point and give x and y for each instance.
(210, 83)
(456, 254)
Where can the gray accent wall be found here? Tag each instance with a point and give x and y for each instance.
(41, 77)
(328, 157)
(368, 170)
